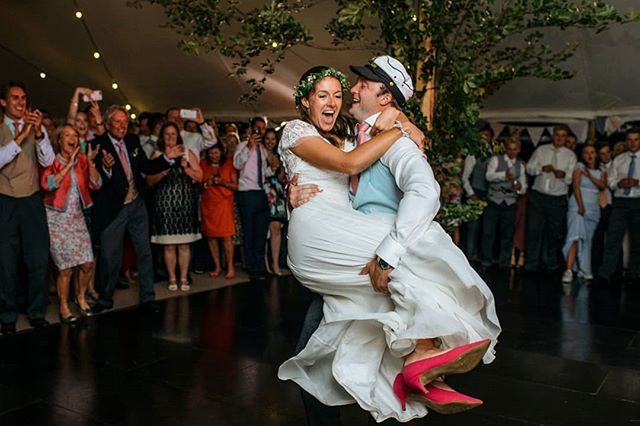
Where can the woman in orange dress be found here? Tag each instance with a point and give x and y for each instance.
(220, 182)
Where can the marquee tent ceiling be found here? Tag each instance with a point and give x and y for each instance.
(153, 73)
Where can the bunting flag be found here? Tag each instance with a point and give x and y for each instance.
(580, 129)
(612, 124)
(497, 128)
(535, 133)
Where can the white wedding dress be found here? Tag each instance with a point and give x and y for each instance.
(357, 351)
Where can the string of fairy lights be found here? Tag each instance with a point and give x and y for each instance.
(98, 56)
(95, 54)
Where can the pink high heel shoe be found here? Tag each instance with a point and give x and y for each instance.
(440, 400)
(461, 359)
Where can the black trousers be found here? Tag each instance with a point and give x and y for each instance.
(546, 228)
(498, 219)
(254, 216)
(317, 413)
(474, 231)
(625, 215)
(23, 229)
(599, 238)
(132, 218)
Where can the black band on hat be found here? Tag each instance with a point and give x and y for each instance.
(388, 82)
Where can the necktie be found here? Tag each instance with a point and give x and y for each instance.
(124, 159)
(363, 128)
(16, 127)
(259, 165)
(631, 173)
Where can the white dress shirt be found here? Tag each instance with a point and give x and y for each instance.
(420, 201)
(619, 169)
(469, 164)
(561, 159)
(197, 142)
(44, 151)
(244, 160)
(495, 176)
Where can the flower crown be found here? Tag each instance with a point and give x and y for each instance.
(306, 86)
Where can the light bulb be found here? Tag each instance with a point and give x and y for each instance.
(133, 116)
(114, 86)
(127, 107)
(43, 75)
(96, 55)
(79, 14)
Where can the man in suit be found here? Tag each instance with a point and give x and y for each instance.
(119, 207)
(400, 183)
(23, 222)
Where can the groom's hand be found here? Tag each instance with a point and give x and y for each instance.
(300, 194)
(379, 277)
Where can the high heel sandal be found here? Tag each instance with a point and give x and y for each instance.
(173, 285)
(461, 359)
(443, 401)
(184, 285)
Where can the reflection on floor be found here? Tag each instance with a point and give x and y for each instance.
(568, 356)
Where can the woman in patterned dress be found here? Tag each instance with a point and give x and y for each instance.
(175, 207)
(274, 187)
(66, 184)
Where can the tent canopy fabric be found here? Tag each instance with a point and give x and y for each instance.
(154, 74)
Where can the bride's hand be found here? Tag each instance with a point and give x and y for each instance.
(415, 134)
(386, 120)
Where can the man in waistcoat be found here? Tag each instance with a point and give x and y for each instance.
(475, 187)
(23, 222)
(507, 179)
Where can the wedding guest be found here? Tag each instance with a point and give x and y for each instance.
(196, 142)
(583, 215)
(118, 206)
(571, 143)
(23, 222)
(88, 122)
(619, 148)
(507, 179)
(250, 159)
(66, 184)
(475, 187)
(274, 186)
(552, 166)
(231, 128)
(218, 225)
(175, 222)
(624, 181)
(191, 126)
(605, 202)
(230, 142)
(48, 123)
(156, 121)
(145, 131)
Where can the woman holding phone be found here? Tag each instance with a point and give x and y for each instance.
(175, 207)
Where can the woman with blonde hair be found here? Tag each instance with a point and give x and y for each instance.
(67, 183)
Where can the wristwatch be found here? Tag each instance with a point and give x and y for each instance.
(383, 265)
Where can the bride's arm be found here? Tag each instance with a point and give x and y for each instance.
(316, 151)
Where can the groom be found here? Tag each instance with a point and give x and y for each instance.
(400, 183)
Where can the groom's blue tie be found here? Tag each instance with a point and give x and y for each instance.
(631, 173)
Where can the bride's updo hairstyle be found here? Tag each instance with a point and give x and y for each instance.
(344, 126)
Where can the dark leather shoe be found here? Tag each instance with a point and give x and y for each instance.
(97, 308)
(151, 307)
(8, 328)
(38, 323)
(121, 285)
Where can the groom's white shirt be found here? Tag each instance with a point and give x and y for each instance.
(418, 200)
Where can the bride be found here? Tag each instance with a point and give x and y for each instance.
(373, 348)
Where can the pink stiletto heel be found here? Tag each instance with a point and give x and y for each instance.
(443, 401)
(461, 359)
(400, 389)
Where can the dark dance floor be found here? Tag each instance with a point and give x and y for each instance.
(567, 356)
